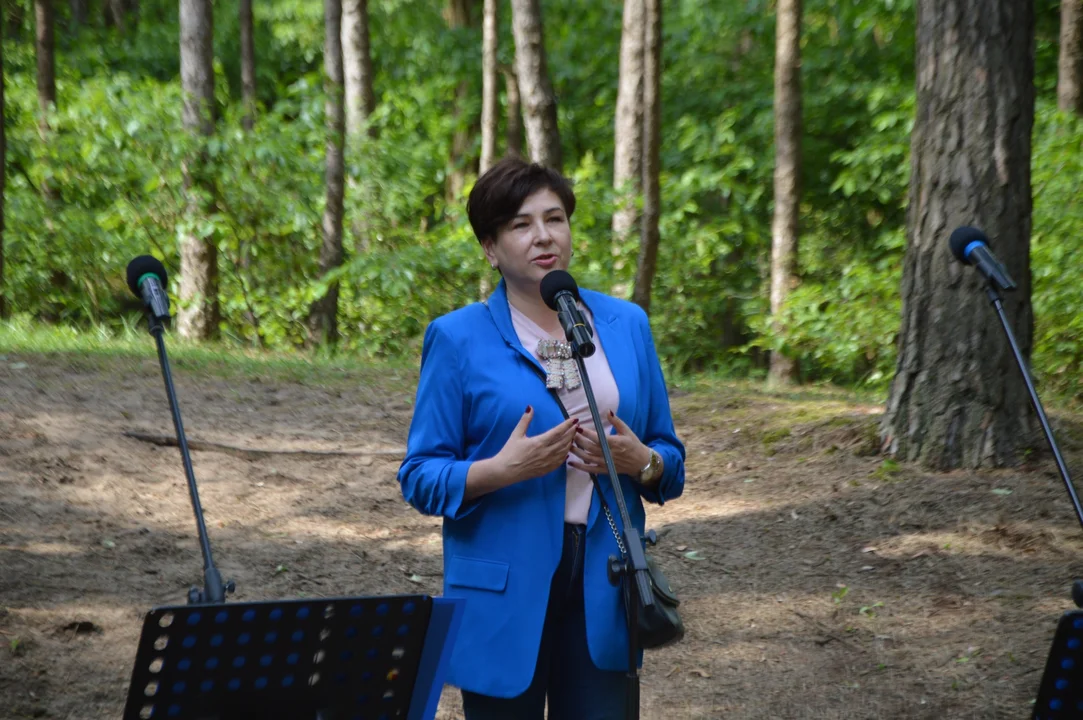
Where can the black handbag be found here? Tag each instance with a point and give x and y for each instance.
(659, 624)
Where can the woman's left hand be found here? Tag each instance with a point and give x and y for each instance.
(630, 455)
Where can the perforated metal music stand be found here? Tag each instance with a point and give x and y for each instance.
(365, 658)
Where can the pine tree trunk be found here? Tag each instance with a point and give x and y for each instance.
(513, 114)
(628, 135)
(3, 174)
(652, 134)
(45, 48)
(323, 318)
(957, 398)
(357, 66)
(198, 316)
(489, 120)
(784, 226)
(1070, 62)
(248, 65)
(536, 88)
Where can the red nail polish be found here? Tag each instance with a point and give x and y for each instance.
(529, 408)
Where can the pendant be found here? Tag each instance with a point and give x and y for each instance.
(561, 370)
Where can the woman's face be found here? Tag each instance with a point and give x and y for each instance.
(537, 240)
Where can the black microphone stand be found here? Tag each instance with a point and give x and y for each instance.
(998, 303)
(214, 590)
(630, 570)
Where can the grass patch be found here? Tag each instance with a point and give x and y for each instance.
(102, 348)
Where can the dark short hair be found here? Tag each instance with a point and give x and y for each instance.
(502, 190)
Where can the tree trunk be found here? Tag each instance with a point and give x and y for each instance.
(458, 16)
(78, 13)
(46, 57)
(1070, 63)
(323, 317)
(784, 225)
(357, 66)
(116, 12)
(248, 65)
(198, 315)
(513, 113)
(652, 132)
(628, 135)
(489, 121)
(957, 398)
(3, 173)
(542, 132)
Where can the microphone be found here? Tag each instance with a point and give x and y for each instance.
(971, 247)
(559, 291)
(147, 280)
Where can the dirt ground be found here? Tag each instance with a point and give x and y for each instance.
(818, 580)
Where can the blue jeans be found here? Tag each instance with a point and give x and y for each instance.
(565, 674)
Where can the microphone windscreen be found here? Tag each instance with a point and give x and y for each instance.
(556, 282)
(961, 239)
(142, 265)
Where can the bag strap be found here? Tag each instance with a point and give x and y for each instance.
(609, 517)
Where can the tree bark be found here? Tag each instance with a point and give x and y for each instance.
(1070, 61)
(198, 316)
(357, 66)
(513, 113)
(458, 16)
(784, 225)
(652, 132)
(540, 106)
(489, 120)
(323, 317)
(957, 398)
(628, 131)
(248, 65)
(3, 172)
(45, 48)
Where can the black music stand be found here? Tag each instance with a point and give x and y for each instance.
(368, 658)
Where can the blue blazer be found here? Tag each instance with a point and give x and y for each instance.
(502, 549)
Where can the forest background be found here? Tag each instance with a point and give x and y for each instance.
(99, 178)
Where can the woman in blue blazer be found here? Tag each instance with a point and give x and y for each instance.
(502, 446)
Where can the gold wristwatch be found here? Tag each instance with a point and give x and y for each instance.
(652, 469)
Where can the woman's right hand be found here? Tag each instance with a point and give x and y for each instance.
(522, 457)
(526, 457)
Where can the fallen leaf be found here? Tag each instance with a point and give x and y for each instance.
(676, 669)
(418, 579)
(868, 549)
(281, 569)
(694, 555)
(697, 671)
(682, 548)
(108, 543)
(1001, 491)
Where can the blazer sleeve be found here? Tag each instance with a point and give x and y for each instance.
(660, 435)
(433, 474)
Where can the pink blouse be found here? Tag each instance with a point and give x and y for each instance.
(580, 488)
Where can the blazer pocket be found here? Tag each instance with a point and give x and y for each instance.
(479, 574)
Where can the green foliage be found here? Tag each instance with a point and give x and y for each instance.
(106, 184)
(1056, 244)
